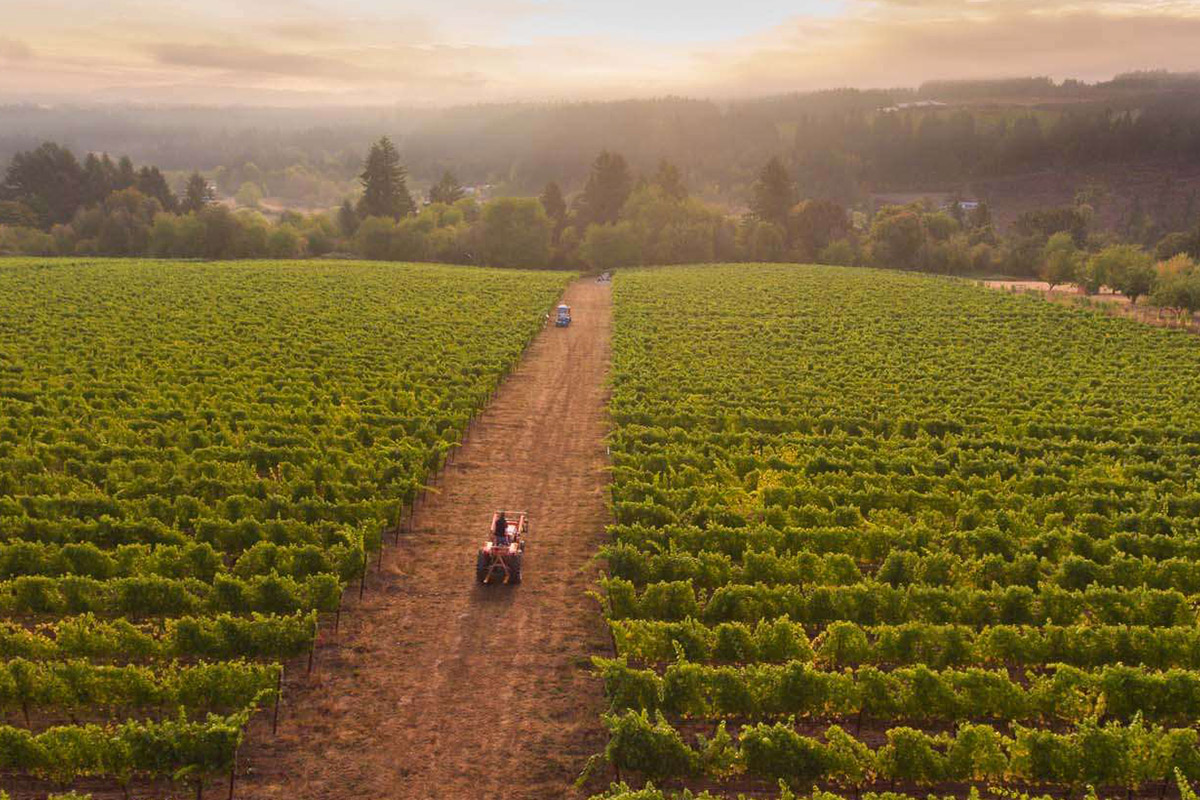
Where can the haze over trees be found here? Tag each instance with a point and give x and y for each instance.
(841, 145)
(619, 215)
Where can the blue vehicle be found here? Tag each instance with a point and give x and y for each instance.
(563, 318)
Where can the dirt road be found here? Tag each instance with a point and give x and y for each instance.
(435, 687)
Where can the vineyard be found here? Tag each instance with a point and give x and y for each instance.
(195, 461)
(880, 533)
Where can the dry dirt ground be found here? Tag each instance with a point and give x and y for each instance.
(435, 687)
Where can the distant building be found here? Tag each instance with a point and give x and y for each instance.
(480, 192)
(914, 104)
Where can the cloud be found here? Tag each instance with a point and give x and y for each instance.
(309, 32)
(252, 61)
(470, 51)
(905, 42)
(15, 50)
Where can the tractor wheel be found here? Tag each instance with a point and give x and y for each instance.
(481, 567)
(514, 569)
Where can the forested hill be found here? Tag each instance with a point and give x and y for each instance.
(844, 145)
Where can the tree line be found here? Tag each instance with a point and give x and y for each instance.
(50, 203)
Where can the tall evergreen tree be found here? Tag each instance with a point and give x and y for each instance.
(385, 184)
(555, 204)
(448, 190)
(126, 175)
(774, 194)
(608, 187)
(669, 179)
(348, 218)
(152, 183)
(197, 195)
(98, 176)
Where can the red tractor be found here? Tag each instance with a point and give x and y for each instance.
(500, 556)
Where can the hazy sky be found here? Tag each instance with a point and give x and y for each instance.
(455, 51)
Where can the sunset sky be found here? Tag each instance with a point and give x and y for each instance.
(458, 51)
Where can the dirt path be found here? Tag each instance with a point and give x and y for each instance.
(436, 687)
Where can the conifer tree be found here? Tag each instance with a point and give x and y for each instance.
(197, 195)
(774, 194)
(448, 190)
(669, 179)
(555, 204)
(385, 184)
(608, 187)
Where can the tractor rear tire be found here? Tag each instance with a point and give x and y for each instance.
(481, 568)
(514, 569)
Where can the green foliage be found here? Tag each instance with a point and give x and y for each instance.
(197, 195)
(1061, 261)
(840, 252)
(1112, 754)
(516, 233)
(1045, 223)
(608, 186)
(1178, 285)
(249, 195)
(670, 228)
(607, 246)
(447, 190)
(200, 462)
(773, 194)
(130, 749)
(48, 181)
(896, 237)
(554, 204)
(816, 225)
(19, 240)
(882, 506)
(78, 685)
(764, 241)
(650, 747)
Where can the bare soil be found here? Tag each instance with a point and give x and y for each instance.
(435, 687)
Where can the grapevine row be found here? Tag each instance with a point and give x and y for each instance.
(1060, 694)
(849, 644)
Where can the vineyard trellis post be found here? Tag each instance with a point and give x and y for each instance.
(278, 695)
(233, 773)
(362, 580)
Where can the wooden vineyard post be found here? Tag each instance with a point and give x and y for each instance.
(312, 651)
(232, 773)
(279, 694)
(337, 618)
(362, 581)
